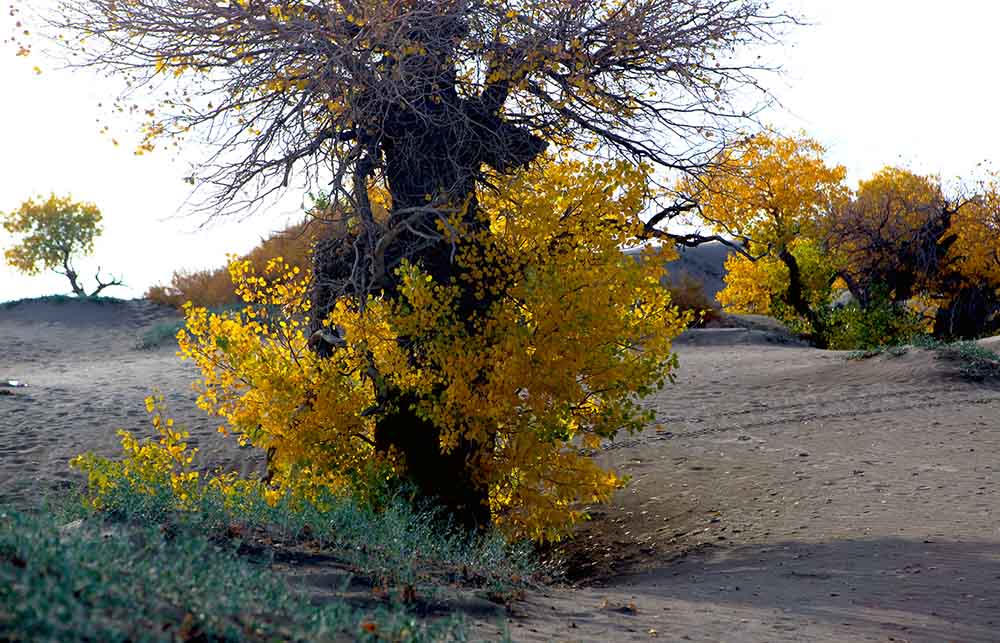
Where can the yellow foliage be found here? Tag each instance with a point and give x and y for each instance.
(147, 465)
(770, 189)
(891, 207)
(53, 230)
(772, 192)
(901, 221)
(750, 285)
(976, 252)
(759, 286)
(576, 332)
(150, 467)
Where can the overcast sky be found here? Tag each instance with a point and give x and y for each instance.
(879, 82)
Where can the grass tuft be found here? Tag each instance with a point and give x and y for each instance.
(160, 335)
(231, 566)
(394, 547)
(975, 362)
(890, 350)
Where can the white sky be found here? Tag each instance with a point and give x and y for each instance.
(910, 82)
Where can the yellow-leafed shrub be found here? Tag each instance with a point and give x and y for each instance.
(576, 332)
(147, 466)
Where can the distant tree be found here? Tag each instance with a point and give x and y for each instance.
(902, 236)
(770, 192)
(900, 244)
(893, 235)
(54, 232)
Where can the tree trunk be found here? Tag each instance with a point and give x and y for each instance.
(425, 162)
(798, 302)
(71, 275)
(972, 313)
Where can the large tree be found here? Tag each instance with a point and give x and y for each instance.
(903, 236)
(435, 100)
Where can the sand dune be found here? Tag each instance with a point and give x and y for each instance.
(85, 380)
(790, 494)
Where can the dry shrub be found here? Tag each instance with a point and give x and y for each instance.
(688, 293)
(214, 288)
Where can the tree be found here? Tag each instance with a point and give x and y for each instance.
(902, 237)
(899, 244)
(760, 284)
(577, 332)
(970, 288)
(436, 102)
(893, 234)
(54, 232)
(770, 192)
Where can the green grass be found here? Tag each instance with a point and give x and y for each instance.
(141, 570)
(159, 335)
(395, 545)
(105, 581)
(974, 362)
(892, 351)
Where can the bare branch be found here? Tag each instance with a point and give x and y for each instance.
(101, 285)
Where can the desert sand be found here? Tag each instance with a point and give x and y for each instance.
(787, 494)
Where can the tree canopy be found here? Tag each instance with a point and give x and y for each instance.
(769, 192)
(310, 88)
(901, 244)
(54, 232)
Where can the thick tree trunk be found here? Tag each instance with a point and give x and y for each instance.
(447, 478)
(796, 299)
(425, 163)
(972, 313)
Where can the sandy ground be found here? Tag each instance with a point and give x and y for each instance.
(790, 494)
(85, 380)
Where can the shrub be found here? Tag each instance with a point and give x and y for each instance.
(881, 323)
(214, 288)
(688, 294)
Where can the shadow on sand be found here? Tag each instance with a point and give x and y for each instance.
(918, 589)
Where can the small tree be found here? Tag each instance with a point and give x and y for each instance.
(54, 231)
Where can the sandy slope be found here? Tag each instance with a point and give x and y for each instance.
(85, 381)
(789, 495)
